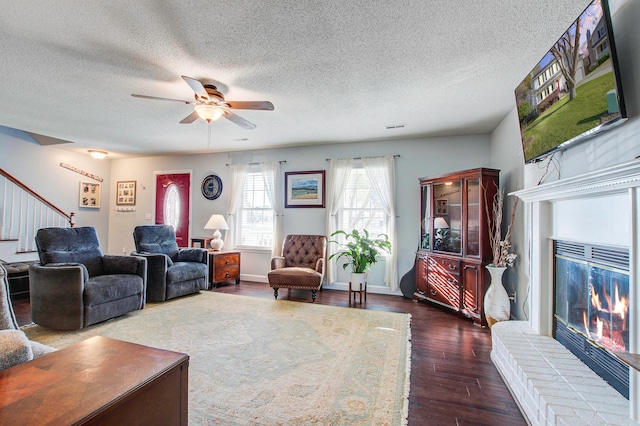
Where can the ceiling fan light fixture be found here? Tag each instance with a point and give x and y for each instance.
(98, 155)
(207, 112)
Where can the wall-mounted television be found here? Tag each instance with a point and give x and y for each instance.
(574, 92)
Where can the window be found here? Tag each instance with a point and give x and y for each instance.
(255, 214)
(361, 207)
(172, 206)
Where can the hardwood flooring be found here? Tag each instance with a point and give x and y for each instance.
(453, 381)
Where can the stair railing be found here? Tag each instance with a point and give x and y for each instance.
(23, 212)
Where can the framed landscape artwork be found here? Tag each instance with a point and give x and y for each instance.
(126, 193)
(304, 189)
(89, 195)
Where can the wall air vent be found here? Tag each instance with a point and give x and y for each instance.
(397, 126)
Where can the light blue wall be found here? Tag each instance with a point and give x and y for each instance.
(616, 146)
(39, 168)
(419, 157)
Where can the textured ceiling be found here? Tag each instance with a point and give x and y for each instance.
(336, 71)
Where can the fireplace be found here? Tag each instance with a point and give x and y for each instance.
(591, 307)
(601, 207)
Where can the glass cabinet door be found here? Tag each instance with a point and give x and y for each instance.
(425, 224)
(447, 220)
(474, 193)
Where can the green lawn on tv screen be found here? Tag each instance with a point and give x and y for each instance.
(565, 120)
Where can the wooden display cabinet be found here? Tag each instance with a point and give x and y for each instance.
(454, 241)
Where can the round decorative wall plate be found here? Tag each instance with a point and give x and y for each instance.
(211, 187)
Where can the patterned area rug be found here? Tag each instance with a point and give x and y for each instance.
(264, 362)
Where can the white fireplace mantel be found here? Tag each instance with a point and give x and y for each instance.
(544, 205)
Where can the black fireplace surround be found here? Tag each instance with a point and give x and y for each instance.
(591, 313)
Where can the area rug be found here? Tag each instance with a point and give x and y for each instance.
(260, 361)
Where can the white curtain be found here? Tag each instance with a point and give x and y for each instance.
(271, 176)
(339, 170)
(381, 173)
(238, 179)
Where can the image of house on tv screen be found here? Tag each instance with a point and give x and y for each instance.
(572, 91)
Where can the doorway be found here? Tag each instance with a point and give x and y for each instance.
(173, 203)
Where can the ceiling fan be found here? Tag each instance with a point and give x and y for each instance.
(210, 104)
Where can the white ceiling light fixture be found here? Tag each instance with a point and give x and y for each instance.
(98, 155)
(208, 112)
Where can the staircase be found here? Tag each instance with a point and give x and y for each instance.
(23, 212)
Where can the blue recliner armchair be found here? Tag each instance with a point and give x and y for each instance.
(75, 285)
(172, 271)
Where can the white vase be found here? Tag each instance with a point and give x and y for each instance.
(497, 306)
(358, 278)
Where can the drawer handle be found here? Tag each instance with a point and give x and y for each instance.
(452, 281)
(452, 267)
(226, 262)
(226, 275)
(433, 293)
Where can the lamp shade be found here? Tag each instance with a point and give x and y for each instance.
(216, 221)
(208, 112)
(440, 223)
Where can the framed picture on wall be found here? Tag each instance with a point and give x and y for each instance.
(304, 189)
(89, 195)
(126, 193)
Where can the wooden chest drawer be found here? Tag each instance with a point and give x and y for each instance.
(444, 281)
(224, 266)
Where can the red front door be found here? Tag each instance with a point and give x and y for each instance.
(172, 204)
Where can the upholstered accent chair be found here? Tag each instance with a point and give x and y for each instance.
(15, 347)
(172, 271)
(75, 285)
(301, 264)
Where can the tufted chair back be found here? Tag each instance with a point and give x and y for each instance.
(303, 250)
(71, 245)
(156, 239)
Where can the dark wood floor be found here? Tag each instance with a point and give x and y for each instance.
(453, 381)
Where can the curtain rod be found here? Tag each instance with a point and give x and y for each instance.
(254, 164)
(360, 158)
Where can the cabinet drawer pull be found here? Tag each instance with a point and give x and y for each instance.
(226, 262)
(226, 275)
(452, 267)
(433, 293)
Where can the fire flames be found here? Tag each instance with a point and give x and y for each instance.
(609, 320)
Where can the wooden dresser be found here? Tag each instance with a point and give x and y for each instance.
(97, 381)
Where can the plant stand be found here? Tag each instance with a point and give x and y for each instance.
(362, 290)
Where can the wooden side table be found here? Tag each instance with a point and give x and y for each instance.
(201, 242)
(224, 266)
(360, 291)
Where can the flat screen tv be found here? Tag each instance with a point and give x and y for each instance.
(574, 92)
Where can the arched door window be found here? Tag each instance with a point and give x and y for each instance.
(171, 206)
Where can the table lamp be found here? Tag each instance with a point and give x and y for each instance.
(217, 222)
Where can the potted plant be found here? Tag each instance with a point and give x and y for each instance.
(360, 251)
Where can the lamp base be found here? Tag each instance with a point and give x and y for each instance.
(217, 242)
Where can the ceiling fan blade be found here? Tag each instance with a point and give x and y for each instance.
(162, 99)
(196, 86)
(190, 118)
(238, 120)
(259, 105)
